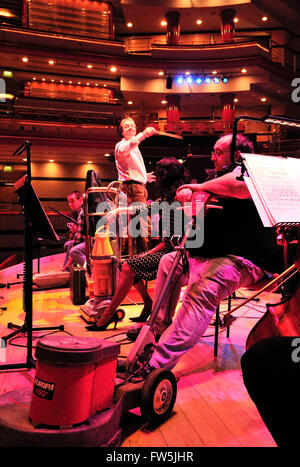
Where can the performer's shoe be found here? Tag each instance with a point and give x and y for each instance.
(114, 319)
(146, 312)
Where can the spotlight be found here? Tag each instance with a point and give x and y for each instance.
(216, 80)
(179, 80)
(225, 79)
(169, 82)
(207, 80)
(189, 80)
(198, 80)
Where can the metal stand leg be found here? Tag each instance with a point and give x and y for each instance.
(217, 331)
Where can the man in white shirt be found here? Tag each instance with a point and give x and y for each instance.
(132, 171)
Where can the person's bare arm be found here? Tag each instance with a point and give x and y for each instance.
(227, 185)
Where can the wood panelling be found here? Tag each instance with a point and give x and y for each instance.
(75, 17)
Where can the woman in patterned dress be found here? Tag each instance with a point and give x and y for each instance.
(170, 174)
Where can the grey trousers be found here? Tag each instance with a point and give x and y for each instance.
(78, 253)
(208, 281)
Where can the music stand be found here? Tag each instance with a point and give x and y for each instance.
(37, 223)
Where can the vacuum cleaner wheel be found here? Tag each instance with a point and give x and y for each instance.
(158, 395)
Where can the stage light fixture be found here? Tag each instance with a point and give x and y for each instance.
(169, 82)
(216, 80)
(198, 80)
(189, 79)
(224, 79)
(179, 80)
(207, 80)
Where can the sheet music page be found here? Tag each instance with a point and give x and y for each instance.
(276, 180)
(263, 214)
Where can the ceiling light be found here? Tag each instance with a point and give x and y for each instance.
(130, 102)
(235, 99)
(34, 78)
(43, 79)
(51, 160)
(164, 101)
(113, 69)
(61, 81)
(214, 72)
(89, 162)
(236, 20)
(264, 18)
(78, 82)
(89, 66)
(106, 154)
(161, 73)
(51, 62)
(163, 22)
(263, 99)
(25, 59)
(199, 21)
(187, 73)
(244, 70)
(87, 84)
(129, 25)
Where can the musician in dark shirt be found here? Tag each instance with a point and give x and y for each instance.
(237, 251)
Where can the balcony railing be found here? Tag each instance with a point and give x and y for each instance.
(144, 44)
(278, 53)
(79, 109)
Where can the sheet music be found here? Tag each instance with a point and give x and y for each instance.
(277, 183)
(265, 218)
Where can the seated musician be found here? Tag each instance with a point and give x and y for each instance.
(75, 246)
(170, 175)
(236, 252)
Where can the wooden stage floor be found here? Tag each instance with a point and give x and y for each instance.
(212, 409)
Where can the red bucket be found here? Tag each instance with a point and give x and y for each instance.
(74, 379)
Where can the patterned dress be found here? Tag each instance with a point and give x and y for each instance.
(145, 265)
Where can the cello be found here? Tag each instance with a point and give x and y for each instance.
(282, 318)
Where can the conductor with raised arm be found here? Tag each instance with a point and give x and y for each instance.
(131, 169)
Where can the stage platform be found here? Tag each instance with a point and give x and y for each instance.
(212, 409)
